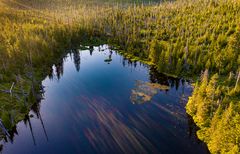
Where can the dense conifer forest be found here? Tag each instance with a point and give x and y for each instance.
(195, 39)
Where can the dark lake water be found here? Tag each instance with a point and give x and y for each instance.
(96, 101)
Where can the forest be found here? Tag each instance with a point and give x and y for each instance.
(195, 39)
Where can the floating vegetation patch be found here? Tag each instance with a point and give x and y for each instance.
(144, 91)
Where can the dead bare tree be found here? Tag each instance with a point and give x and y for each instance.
(236, 85)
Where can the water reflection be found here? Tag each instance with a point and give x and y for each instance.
(91, 110)
(108, 131)
(77, 59)
(156, 77)
(59, 69)
(34, 114)
(36, 110)
(109, 59)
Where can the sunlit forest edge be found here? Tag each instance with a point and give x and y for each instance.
(196, 39)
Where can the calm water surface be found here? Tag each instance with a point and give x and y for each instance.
(96, 101)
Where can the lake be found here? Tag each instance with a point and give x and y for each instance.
(96, 101)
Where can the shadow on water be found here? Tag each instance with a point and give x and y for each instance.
(108, 105)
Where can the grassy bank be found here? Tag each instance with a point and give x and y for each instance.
(181, 38)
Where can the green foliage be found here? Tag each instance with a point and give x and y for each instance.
(180, 38)
(183, 32)
(215, 107)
